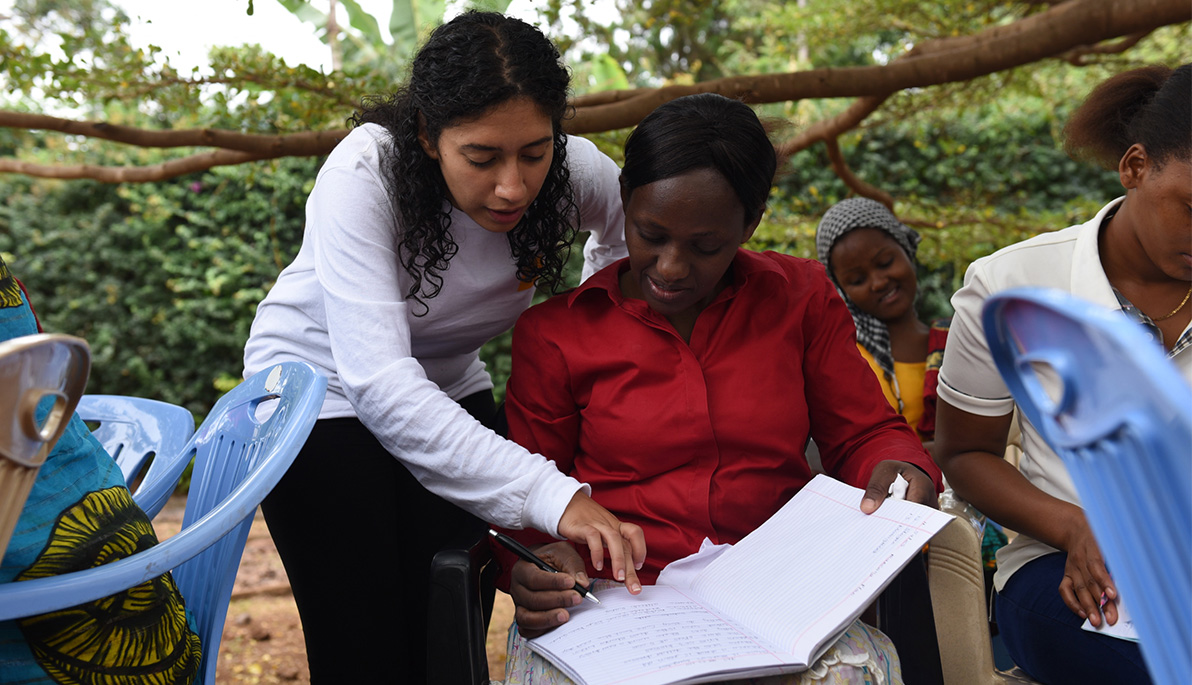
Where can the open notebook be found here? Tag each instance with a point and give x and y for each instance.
(770, 604)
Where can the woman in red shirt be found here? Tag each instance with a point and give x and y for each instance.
(683, 383)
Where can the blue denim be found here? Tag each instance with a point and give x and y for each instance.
(1045, 639)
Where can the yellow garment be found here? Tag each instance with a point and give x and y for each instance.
(910, 384)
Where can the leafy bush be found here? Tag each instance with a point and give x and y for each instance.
(970, 186)
(162, 279)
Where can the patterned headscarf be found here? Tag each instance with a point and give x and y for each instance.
(845, 216)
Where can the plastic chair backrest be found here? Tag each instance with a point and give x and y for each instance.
(235, 443)
(133, 429)
(240, 455)
(1102, 394)
(34, 370)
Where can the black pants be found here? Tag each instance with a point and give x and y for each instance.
(356, 533)
(905, 615)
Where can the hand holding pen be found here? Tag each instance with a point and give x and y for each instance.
(526, 555)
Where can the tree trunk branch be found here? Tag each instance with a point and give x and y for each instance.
(830, 129)
(851, 180)
(1062, 29)
(1076, 56)
(132, 174)
(302, 144)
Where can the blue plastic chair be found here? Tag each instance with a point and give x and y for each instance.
(133, 429)
(239, 457)
(1102, 394)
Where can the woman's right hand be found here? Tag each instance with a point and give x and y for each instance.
(541, 598)
(1086, 578)
(586, 522)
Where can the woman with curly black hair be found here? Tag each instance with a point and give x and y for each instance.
(427, 230)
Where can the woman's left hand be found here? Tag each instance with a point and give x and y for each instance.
(919, 488)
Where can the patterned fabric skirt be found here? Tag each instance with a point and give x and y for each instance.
(862, 656)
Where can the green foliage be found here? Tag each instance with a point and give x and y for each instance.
(652, 40)
(970, 184)
(362, 43)
(162, 279)
(1003, 161)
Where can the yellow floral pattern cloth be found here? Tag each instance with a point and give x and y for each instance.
(80, 515)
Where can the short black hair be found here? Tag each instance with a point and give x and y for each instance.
(704, 131)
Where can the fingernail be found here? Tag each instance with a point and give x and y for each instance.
(599, 565)
(638, 567)
(868, 503)
(581, 578)
(621, 576)
(561, 616)
(635, 588)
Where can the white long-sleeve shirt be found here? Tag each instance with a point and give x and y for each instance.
(341, 306)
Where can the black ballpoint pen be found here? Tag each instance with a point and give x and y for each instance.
(520, 550)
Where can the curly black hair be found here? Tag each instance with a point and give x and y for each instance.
(468, 67)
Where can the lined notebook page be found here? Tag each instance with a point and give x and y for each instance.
(816, 564)
(768, 603)
(659, 636)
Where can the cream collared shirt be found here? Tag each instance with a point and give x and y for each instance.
(1068, 260)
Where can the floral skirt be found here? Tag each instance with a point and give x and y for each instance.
(862, 656)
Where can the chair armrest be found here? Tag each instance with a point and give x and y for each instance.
(455, 622)
(43, 595)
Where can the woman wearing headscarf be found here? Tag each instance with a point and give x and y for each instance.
(870, 256)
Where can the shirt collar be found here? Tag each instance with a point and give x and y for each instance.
(1088, 277)
(1089, 281)
(748, 266)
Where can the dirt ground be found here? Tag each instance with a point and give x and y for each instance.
(262, 638)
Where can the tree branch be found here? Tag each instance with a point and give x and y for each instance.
(1063, 28)
(127, 174)
(851, 180)
(306, 143)
(830, 129)
(605, 97)
(1076, 56)
(1047, 34)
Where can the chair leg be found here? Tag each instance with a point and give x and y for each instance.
(905, 615)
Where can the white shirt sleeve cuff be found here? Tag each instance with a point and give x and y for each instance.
(549, 499)
(981, 406)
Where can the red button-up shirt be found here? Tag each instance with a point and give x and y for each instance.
(707, 438)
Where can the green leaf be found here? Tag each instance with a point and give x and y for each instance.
(607, 74)
(308, 13)
(365, 23)
(409, 20)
